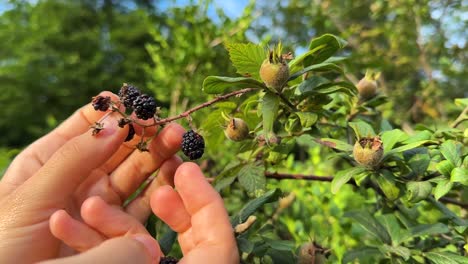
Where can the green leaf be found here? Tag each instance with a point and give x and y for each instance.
(362, 129)
(386, 183)
(321, 67)
(406, 147)
(336, 144)
(419, 160)
(418, 191)
(459, 175)
(390, 222)
(445, 167)
(445, 258)
(283, 245)
(448, 213)
(419, 136)
(218, 84)
(401, 251)
(327, 88)
(167, 240)
(254, 205)
(442, 188)
(307, 119)
(370, 224)
(247, 58)
(244, 245)
(280, 256)
(329, 45)
(452, 152)
(252, 178)
(270, 106)
(461, 102)
(228, 175)
(343, 176)
(361, 254)
(390, 138)
(427, 230)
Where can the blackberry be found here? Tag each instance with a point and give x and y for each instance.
(128, 94)
(101, 103)
(193, 145)
(144, 106)
(131, 133)
(168, 260)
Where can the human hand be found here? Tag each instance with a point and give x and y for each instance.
(66, 167)
(195, 211)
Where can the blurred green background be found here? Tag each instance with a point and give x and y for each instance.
(56, 54)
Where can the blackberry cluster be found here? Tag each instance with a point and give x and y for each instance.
(128, 94)
(101, 103)
(144, 106)
(193, 145)
(168, 260)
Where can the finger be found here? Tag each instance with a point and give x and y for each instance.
(72, 163)
(137, 249)
(209, 219)
(38, 153)
(140, 207)
(109, 220)
(139, 165)
(169, 207)
(74, 233)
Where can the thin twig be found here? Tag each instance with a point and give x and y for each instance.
(453, 201)
(282, 176)
(461, 118)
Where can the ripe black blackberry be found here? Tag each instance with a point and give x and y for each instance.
(193, 145)
(128, 94)
(168, 260)
(144, 106)
(101, 103)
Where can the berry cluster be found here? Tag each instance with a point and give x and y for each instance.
(168, 260)
(101, 103)
(143, 105)
(193, 145)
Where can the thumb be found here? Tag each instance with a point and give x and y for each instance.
(138, 249)
(74, 161)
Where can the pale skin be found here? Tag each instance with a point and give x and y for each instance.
(61, 199)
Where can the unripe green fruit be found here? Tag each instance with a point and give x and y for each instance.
(367, 88)
(274, 75)
(368, 151)
(310, 254)
(237, 130)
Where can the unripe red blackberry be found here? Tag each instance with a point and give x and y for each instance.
(101, 103)
(128, 94)
(237, 130)
(193, 145)
(144, 106)
(368, 151)
(168, 260)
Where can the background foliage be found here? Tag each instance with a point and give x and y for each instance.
(56, 54)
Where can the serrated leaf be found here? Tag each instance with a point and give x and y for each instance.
(370, 224)
(254, 205)
(442, 188)
(362, 129)
(390, 138)
(459, 175)
(252, 178)
(336, 144)
(307, 119)
(445, 167)
(270, 106)
(452, 152)
(386, 183)
(344, 176)
(247, 58)
(361, 254)
(445, 258)
(218, 84)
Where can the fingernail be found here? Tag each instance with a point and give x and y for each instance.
(151, 246)
(108, 126)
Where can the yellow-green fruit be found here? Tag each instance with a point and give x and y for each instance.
(367, 88)
(274, 75)
(368, 151)
(237, 130)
